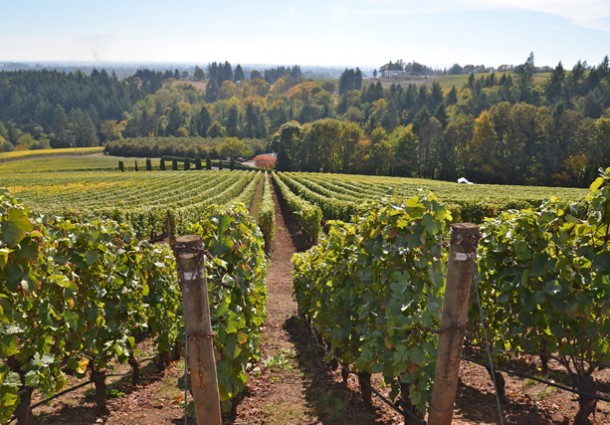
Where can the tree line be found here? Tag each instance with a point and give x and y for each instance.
(191, 147)
(515, 127)
(42, 109)
(495, 129)
(45, 108)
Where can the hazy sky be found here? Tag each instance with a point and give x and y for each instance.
(307, 32)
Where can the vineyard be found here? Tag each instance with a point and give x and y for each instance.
(339, 195)
(91, 286)
(86, 284)
(142, 199)
(373, 288)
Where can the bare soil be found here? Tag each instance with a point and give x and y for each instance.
(293, 384)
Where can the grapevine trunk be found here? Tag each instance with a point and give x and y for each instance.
(99, 380)
(587, 405)
(364, 379)
(500, 382)
(24, 413)
(344, 373)
(409, 409)
(135, 369)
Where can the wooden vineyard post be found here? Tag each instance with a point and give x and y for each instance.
(460, 273)
(200, 352)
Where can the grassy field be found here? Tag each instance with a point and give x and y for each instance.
(7, 156)
(448, 81)
(65, 163)
(199, 85)
(70, 163)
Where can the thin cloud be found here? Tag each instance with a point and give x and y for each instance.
(586, 13)
(396, 7)
(391, 12)
(594, 14)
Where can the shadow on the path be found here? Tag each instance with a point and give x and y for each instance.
(332, 401)
(477, 406)
(76, 412)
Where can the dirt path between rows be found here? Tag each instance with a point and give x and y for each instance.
(293, 384)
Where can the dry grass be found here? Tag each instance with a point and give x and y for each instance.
(7, 156)
(199, 85)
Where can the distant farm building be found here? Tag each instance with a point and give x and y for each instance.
(392, 73)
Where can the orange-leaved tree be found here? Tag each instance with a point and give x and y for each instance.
(265, 161)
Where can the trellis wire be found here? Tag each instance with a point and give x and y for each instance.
(520, 353)
(475, 279)
(74, 388)
(543, 381)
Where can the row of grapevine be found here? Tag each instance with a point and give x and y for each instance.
(236, 275)
(307, 214)
(94, 190)
(373, 288)
(332, 206)
(339, 195)
(266, 216)
(79, 295)
(143, 201)
(247, 194)
(240, 191)
(54, 192)
(545, 285)
(75, 298)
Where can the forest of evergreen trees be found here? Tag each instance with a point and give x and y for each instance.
(496, 128)
(41, 109)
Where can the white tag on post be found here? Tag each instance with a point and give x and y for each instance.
(189, 275)
(460, 256)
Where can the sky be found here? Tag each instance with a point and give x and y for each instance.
(365, 33)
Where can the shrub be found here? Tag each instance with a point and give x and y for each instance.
(265, 161)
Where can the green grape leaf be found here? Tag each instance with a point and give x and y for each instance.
(15, 226)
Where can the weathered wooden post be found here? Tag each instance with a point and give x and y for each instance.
(199, 336)
(460, 273)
